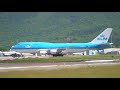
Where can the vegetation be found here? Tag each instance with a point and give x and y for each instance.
(3, 48)
(56, 26)
(61, 59)
(83, 72)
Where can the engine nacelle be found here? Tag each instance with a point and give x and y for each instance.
(53, 51)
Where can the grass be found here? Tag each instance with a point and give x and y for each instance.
(61, 59)
(83, 72)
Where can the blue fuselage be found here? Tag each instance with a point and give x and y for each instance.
(47, 45)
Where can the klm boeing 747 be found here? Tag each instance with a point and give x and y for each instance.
(59, 49)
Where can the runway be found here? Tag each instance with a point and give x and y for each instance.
(52, 66)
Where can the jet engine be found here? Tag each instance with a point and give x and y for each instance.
(55, 52)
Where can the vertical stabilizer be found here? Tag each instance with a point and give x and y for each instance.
(104, 36)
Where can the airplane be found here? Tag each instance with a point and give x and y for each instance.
(60, 49)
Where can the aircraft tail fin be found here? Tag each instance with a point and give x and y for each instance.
(104, 36)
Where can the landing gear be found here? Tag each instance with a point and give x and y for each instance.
(55, 55)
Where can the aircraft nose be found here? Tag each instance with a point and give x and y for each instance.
(12, 47)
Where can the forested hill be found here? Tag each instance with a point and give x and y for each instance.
(56, 26)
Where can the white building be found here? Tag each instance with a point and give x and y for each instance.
(112, 51)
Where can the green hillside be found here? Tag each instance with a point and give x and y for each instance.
(56, 26)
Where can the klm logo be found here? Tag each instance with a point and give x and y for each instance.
(27, 46)
(102, 37)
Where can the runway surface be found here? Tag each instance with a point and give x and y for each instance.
(51, 66)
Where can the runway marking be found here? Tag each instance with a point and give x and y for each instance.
(100, 60)
(26, 67)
